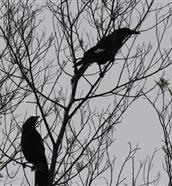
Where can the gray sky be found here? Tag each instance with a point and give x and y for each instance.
(140, 123)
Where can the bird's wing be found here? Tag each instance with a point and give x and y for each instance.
(90, 52)
(104, 42)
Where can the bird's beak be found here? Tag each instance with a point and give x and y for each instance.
(134, 32)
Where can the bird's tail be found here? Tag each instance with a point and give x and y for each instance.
(80, 72)
(79, 63)
(41, 176)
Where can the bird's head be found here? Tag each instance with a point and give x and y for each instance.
(31, 122)
(126, 32)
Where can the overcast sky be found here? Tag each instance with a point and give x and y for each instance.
(140, 123)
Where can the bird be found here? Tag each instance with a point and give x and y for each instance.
(104, 51)
(34, 151)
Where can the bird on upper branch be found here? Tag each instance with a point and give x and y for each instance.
(33, 150)
(104, 51)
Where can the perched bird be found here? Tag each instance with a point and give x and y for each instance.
(104, 51)
(33, 150)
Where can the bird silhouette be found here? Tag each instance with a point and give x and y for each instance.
(33, 150)
(104, 51)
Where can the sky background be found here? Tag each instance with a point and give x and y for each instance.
(140, 124)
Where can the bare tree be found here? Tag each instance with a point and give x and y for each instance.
(162, 105)
(41, 45)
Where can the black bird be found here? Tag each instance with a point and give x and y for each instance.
(33, 150)
(104, 51)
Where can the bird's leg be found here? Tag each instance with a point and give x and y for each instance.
(24, 164)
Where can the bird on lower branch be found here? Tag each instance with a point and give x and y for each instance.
(33, 150)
